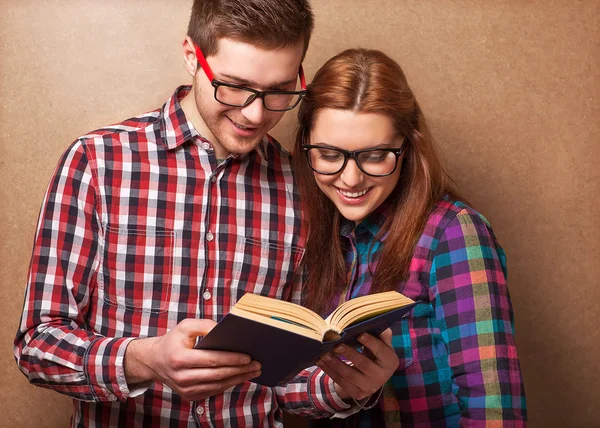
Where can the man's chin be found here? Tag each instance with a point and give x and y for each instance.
(243, 145)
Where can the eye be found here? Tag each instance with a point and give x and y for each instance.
(375, 156)
(235, 90)
(329, 155)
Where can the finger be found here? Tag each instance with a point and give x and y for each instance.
(345, 369)
(386, 336)
(190, 377)
(199, 358)
(353, 382)
(192, 328)
(383, 352)
(360, 361)
(367, 353)
(333, 369)
(201, 391)
(366, 373)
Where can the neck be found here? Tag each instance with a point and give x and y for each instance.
(188, 105)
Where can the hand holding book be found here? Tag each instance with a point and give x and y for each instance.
(364, 372)
(172, 360)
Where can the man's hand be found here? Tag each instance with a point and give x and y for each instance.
(369, 370)
(192, 373)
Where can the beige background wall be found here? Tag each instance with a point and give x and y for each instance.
(511, 89)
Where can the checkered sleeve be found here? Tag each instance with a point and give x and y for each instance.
(312, 394)
(474, 313)
(52, 348)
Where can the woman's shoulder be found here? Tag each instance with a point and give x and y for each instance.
(455, 230)
(448, 209)
(455, 217)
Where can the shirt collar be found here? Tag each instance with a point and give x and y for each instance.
(176, 129)
(371, 225)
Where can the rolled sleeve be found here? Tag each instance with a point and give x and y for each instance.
(104, 369)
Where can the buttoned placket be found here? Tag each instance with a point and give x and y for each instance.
(199, 408)
(210, 234)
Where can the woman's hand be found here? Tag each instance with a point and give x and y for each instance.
(367, 371)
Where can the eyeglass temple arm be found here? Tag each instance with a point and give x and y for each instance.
(302, 78)
(203, 63)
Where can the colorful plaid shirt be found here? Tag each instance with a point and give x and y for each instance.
(140, 228)
(458, 361)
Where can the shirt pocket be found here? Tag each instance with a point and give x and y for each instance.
(264, 267)
(136, 268)
(402, 342)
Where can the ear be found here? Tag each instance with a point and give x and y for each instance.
(189, 56)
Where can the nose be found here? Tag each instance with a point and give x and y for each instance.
(351, 175)
(255, 111)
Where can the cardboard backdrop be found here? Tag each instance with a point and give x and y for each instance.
(511, 89)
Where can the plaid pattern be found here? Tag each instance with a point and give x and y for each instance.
(140, 228)
(458, 361)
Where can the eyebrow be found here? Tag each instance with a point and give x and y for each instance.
(252, 83)
(378, 146)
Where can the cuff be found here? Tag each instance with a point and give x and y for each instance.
(364, 404)
(322, 395)
(104, 370)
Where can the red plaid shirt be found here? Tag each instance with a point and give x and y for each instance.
(140, 228)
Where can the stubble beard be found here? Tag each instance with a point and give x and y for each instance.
(231, 142)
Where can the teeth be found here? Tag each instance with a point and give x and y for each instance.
(240, 126)
(353, 194)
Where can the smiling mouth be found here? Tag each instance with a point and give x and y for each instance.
(353, 194)
(240, 126)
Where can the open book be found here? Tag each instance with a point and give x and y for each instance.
(286, 337)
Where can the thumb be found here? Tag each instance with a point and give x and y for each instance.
(191, 328)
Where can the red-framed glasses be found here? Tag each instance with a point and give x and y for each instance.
(241, 96)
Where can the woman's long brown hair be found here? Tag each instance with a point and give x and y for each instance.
(367, 81)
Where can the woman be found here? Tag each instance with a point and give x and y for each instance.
(383, 215)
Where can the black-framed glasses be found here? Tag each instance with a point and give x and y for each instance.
(241, 96)
(374, 162)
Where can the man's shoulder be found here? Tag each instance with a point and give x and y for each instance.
(136, 124)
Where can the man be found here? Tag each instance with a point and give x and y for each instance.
(151, 230)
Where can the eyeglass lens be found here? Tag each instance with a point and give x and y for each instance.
(330, 161)
(240, 97)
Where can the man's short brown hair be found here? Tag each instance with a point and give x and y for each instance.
(268, 24)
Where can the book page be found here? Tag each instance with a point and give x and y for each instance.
(280, 309)
(276, 322)
(365, 307)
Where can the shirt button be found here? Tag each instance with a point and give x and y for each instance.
(205, 145)
(213, 178)
(199, 410)
(210, 236)
(206, 295)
